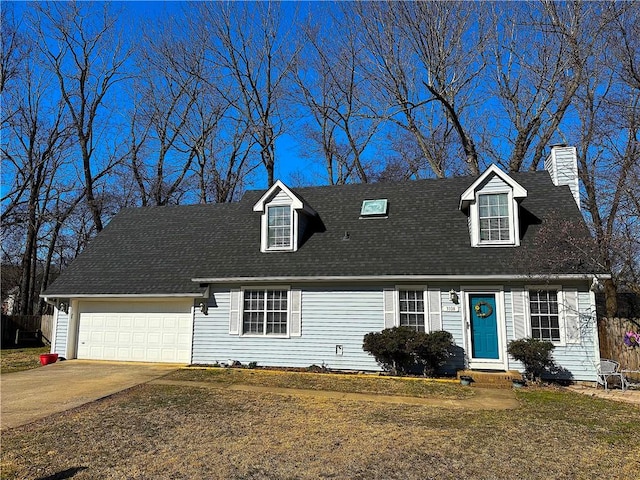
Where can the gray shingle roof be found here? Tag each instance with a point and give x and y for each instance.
(158, 250)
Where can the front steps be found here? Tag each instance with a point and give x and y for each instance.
(491, 379)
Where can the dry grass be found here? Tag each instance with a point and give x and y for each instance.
(17, 359)
(158, 431)
(411, 387)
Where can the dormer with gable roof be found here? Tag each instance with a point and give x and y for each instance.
(492, 203)
(285, 217)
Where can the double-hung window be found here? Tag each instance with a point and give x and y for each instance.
(279, 227)
(545, 318)
(411, 311)
(493, 215)
(265, 312)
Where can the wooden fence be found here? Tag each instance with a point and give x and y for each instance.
(26, 330)
(611, 332)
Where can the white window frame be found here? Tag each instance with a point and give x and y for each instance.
(509, 218)
(425, 304)
(264, 289)
(291, 222)
(514, 226)
(293, 241)
(561, 311)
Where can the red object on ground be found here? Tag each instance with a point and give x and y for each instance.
(47, 358)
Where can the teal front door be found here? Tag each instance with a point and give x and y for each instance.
(484, 326)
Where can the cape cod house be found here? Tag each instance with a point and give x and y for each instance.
(295, 277)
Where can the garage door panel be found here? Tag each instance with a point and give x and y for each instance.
(168, 322)
(144, 335)
(97, 337)
(154, 322)
(138, 354)
(139, 338)
(153, 354)
(111, 322)
(140, 322)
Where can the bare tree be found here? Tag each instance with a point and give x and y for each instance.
(425, 60)
(255, 49)
(14, 47)
(86, 55)
(540, 59)
(608, 108)
(332, 89)
(167, 90)
(35, 141)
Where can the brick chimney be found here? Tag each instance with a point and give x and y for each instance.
(562, 165)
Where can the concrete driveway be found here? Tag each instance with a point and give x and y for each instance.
(34, 394)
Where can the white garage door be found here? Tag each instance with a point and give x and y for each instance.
(135, 331)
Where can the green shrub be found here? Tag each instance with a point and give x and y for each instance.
(403, 350)
(433, 349)
(534, 354)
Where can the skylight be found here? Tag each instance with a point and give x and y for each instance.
(374, 208)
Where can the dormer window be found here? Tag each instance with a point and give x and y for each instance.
(279, 227)
(492, 205)
(285, 216)
(494, 218)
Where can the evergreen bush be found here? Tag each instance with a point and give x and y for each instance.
(534, 354)
(403, 350)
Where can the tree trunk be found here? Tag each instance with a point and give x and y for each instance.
(611, 298)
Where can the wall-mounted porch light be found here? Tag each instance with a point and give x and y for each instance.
(453, 296)
(204, 308)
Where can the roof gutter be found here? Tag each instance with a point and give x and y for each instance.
(204, 294)
(398, 278)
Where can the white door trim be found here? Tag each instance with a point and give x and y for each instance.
(500, 363)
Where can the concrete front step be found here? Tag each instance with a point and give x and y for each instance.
(491, 379)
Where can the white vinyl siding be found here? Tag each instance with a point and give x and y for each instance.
(59, 345)
(452, 321)
(334, 321)
(330, 318)
(563, 168)
(494, 215)
(577, 351)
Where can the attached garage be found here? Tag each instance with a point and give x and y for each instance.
(140, 331)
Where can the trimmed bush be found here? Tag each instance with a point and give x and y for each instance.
(403, 350)
(433, 349)
(534, 354)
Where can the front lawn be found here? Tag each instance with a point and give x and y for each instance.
(336, 382)
(183, 432)
(17, 359)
